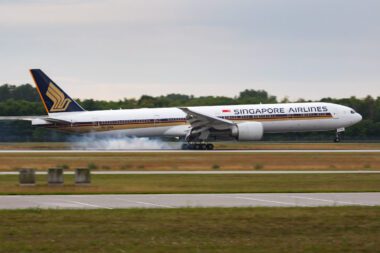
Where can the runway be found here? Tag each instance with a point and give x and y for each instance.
(188, 200)
(209, 172)
(191, 151)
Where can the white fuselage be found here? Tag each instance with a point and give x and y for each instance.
(147, 122)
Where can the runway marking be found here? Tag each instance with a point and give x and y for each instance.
(86, 204)
(325, 200)
(152, 204)
(263, 200)
(144, 203)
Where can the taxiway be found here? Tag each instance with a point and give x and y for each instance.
(188, 200)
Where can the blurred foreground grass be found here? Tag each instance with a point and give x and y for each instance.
(327, 229)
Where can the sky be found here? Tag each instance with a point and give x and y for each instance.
(115, 49)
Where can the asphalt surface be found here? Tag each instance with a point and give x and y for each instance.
(192, 151)
(188, 200)
(202, 172)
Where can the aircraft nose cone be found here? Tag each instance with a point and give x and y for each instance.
(359, 117)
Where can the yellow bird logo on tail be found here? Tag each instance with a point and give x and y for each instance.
(60, 103)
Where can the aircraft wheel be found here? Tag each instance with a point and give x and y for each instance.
(190, 146)
(185, 146)
(197, 146)
(203, 146)
(338, 136)
(209, 146)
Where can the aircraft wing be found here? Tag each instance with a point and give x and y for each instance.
(201, 123)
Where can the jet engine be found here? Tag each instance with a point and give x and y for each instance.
(248, 131)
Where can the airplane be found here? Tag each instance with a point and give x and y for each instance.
(198, 126)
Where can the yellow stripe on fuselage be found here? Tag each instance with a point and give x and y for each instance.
(99, 126)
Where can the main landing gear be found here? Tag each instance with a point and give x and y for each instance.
(197, 146)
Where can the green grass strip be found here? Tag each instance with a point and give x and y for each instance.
(234, 183)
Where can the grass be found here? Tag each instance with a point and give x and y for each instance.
(34, 145)
(193, 161)
(326, 230)
(233, 183)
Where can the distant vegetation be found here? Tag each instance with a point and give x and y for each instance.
(24, 100)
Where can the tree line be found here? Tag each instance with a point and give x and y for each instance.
(24, 100)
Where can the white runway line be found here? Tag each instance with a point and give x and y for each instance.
(190, 151)
(87, 204)
(59, 201)
(144, 203)
(151, 204)
(325, 200)
(208, 172)
(267, 201)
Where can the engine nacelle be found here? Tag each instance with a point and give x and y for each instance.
(248, 131)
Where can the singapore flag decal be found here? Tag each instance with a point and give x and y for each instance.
(226, 110)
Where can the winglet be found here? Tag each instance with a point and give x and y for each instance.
(55, 100)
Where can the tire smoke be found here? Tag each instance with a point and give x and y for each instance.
(118, 142)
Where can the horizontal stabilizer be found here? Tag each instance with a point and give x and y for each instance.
(24, 118)
(60, 121)
(46, 119)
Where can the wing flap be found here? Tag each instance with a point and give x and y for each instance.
(197, 119)
(202, 123)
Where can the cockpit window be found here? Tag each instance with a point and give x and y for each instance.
(352, 112)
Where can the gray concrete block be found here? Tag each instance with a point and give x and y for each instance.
(82, 176)
(55, 176)
(27, 177)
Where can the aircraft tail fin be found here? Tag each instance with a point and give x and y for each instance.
(53, 97)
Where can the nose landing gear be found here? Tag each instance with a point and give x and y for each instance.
(197, 146)
(339, 135)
